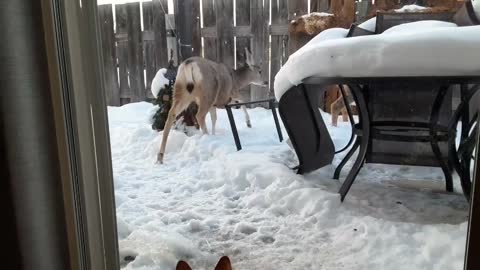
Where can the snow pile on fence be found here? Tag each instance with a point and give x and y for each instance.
(209, 200)
(425, 48)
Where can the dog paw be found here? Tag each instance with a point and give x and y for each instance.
(249, 124)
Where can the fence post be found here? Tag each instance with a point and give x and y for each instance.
(209, 20)
(243, 19)
(148, 46)
(279, 50)
(296, 8)
(259, 20)
(159, 28)
(135, 52)
(122, 53)
(319, 5)
(105, 14)
(224, 14)
(187, 21)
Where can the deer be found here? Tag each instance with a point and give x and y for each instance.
(210, 85)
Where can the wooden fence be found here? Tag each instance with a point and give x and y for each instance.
(132, 56)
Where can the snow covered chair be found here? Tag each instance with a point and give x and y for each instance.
(418, 63)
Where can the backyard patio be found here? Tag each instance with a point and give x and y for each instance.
(277, 204)
(209, 200)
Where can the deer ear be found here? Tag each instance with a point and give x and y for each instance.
(224, 264)
(181, 265)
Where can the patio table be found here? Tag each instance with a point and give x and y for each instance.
(299, 111)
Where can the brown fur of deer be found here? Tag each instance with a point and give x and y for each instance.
(209, 85)
(338, 107)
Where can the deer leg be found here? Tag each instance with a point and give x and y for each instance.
(335, 110)
(247, 117)
(213, 116)
(201, 114)
(172, 115)
(344, 115)
(334, 115)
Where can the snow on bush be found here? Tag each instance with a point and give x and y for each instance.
(159, 81)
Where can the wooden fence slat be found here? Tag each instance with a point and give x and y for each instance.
(196, 33)
(209, 43)
(225, 45)
(238, 31)
(159, 11)
(279, 38)
(148, 46)
(109, 55)
(172, 44)
(209, 32)
(362, 9)
(279, 29)
(122, 54)
(242, 22)
(259, 20)
(319, 5)
(296, 8)
(135, 52)
(185, 24)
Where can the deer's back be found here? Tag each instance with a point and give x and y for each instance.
(216, 82)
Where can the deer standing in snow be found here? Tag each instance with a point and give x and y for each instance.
(210, 85)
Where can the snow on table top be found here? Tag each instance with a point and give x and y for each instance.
(425, 48)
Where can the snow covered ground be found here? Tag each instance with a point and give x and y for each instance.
(209, 200)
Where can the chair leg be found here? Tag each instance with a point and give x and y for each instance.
(355, 169)
(364, 141)
(437, 103)
(347, 157)
(234, 127)
(465, 151)
(275, 119)
(444, 165)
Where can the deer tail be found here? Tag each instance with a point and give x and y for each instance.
(191, 73)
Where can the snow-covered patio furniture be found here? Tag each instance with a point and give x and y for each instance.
(419, 63)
